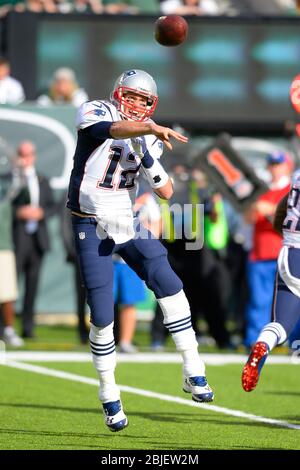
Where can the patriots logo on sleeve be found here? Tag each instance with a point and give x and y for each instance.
(97, 110)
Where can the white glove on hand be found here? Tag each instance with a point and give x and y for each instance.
(139, 146)
(155, 173)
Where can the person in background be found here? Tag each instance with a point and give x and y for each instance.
(189, 7)
(216, 239)
(40, 6)
(262, 263)
(297, 6)
(11, 90)
(116, 7)
(34, 6)
(87, 6)
(198, 268)
(31, 209)
(8, 277)
(239, 246)
(64, 89)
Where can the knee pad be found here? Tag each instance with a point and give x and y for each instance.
(101, 334)
(175, 307)
(177, 319)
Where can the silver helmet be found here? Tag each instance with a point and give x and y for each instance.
(138, 82)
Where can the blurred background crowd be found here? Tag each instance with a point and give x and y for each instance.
(136, 7)
(229, 281)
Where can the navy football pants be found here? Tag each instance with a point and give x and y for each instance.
(147, 257)
(286, 305)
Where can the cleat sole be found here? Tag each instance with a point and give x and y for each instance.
(206, 400)
(120, 429)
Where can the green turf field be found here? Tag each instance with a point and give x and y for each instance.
(43, 412)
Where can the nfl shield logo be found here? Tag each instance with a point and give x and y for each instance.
(82, 235)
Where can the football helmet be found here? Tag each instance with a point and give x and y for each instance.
(138, 82)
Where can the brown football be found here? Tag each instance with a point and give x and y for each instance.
(170, 30)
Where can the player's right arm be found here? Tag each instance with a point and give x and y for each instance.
(131, 129)
(99, 117)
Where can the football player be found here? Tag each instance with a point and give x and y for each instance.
(116, 140)
(286, 300)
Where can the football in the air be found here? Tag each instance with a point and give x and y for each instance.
(170, 30)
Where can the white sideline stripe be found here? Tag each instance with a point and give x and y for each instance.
(169, 358)
(147, 393)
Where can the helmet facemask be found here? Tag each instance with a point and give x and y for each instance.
(132, 111)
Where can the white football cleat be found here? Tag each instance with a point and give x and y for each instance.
(11, 338)
(114, 416)
(199, 388)
(127, 348)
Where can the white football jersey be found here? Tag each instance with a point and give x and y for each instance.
(103, 176)
(291, 224)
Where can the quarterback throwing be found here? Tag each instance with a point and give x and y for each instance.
(116, 140)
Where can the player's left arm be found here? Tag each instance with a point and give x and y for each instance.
(166, 191)
(153, 170)
(280, 214)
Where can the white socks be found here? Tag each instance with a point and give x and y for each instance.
(104, 357)
(272, 334)
(177, 318)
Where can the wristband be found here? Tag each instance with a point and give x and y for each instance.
(156, 174)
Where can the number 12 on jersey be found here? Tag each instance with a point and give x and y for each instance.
(113, 178)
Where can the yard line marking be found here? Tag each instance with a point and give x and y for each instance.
(147, 393)
(170, 358)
